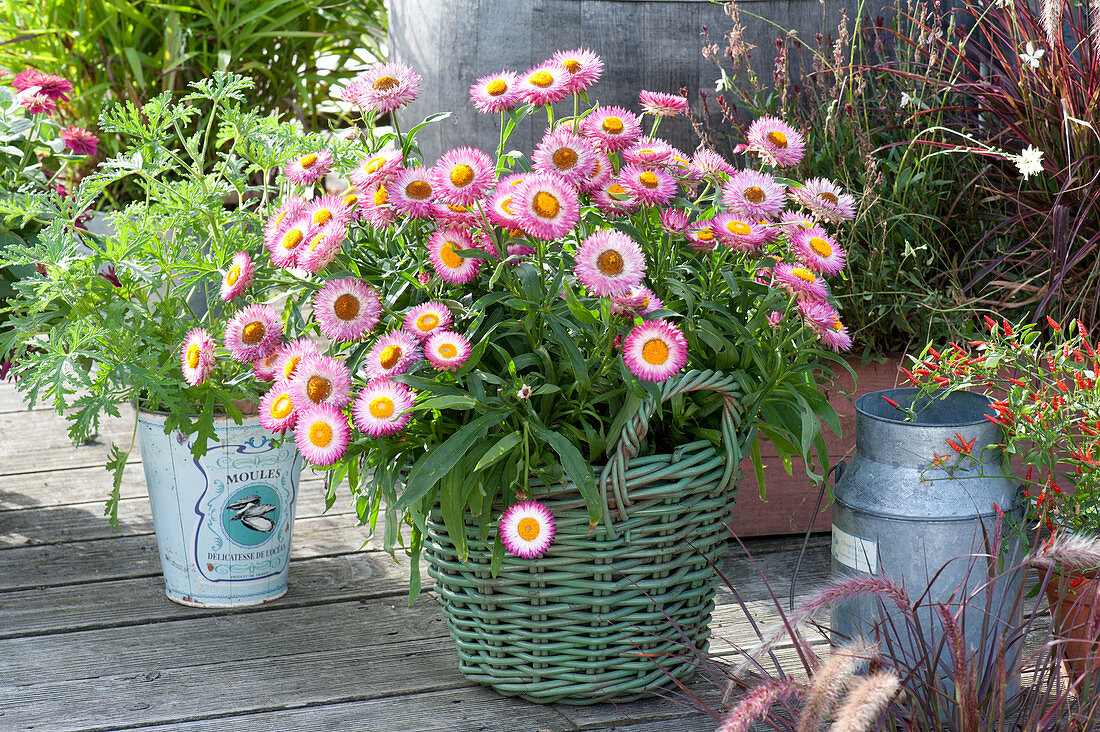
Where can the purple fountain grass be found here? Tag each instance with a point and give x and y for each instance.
(759, 703)
(865, 704)
(966, 683)
(1069, 551)
(832, 679)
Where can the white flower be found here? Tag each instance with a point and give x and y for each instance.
(1032, 55)
(1029, 162)
(1002, 4)
(524, 392)
(909, 101)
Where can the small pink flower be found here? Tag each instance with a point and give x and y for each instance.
(79, 140)
(547, 83)
(308, 168)
(495, 93)
(322, 434)
(662, 104)
(383, 88)
(238, 277)
(583, 67)
(197, 356)
(54, 87)
(37, 103)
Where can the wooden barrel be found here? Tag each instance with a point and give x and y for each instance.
(645, 44)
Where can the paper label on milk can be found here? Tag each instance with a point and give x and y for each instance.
(244, 512)
(854, 552)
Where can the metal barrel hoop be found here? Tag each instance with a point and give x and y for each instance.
(613, 475)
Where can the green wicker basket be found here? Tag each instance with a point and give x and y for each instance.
(611, 613)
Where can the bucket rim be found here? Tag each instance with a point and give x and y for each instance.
(861, 405)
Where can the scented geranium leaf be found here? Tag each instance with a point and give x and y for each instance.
(576, 468)
(116, 465)
(434, 464)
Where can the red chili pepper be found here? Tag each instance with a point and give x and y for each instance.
(942, 381)
(966, 446)
(1061, 385)
(990, 323)
(975, 344)
(1050, 363)
(1008, 328)
(891, 402)
(937, 459)
(1054, 324)
(910, 375)
(1028, 478)
(954, 445)
(1076, 582)
(1018, 382)
(992, 419)
(934, 352)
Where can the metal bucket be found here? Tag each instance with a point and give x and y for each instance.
(899, 516)
(224, 521)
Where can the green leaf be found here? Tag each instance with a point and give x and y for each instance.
(758, 468)
(438, 461)
(116, 465)
(446, 402)
(503, 446)
(576, 468)
(572, 353)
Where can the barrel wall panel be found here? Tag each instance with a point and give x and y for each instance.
(645, 44)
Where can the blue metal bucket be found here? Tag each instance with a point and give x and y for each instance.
(224, 521)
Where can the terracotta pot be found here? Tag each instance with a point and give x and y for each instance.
(1074, 601)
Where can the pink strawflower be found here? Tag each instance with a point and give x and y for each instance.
(462, 176)
(817, 250)
(662, 104)
(712, 165)
(277, 410)
(427, 319)
(197, 356)
(502, 205)
(639, 299)
(321, 380)
(736, 232)
(799, 282)
(776, 142)
(309, 168)
(701, 235)
(290, 210)
(527, 529)
(495, 93)
(253, 332)
(775, 318)
(322, 248)
(455, 215)
(547, 83)
(79, 140)
(382, 167)
(609, 263)
(791, 222)
(290, 355)
(447, 350)
(443, 248)
(383, 88)
(238, 277)
(353, 202)
(674, 221)
(650, 187)
(612, 128)
(346, 309)
(519, 251)
(825, 200)
(754, 194)
(382, 408)
(412, 193)
(285, 245)
(546, 205)
(824, 320)
(614, 199)
(322, 434)
(376, 207)
(53, 87)
(582, 66)
(655, 350)
(600, 176)
(649, 153)
(392, 355)
(567, 154)
(37, 103)
(266, 368)
(326, 209)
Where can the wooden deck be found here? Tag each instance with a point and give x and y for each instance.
(88, 641)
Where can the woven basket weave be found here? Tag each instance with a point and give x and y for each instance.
(611, 613)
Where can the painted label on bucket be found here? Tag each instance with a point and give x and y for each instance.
(854, 552)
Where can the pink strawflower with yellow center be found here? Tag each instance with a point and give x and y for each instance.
(290, 355)
(253, 333)
(702, 235)
(444, 246)
(612, 128)
(674, 221)
(79, 140)
(462, 176)
(639, 299)
(655, 350)
(197, 356)
(383, 166)
(502, 206)
(776, 142)
(547, 206)
(447, 350)
(495, 93)
(266, 368)
(583, 67)
(37, 103)
(754, 194)
(427, 319)
(284, 246)
(800, 282)
(277, 410)
(791, 222)
(775, 318)
(376, 206)
(238, 277)
(519, 251)
(309, 168)
(547, 83)
(392, 355)
(322, 434)
(353, 201)
(346, 309)
(327, 209)
(680, 165)
(823, 319)
(383, 88)
(52, 86)
(817, 250)
(412, 193)
(454, 215)
(601, 174)
(290, 210)
(609, 263)
(649, 153)
(712, 165)
(661, 104)
(567, 154)
(321, 250)
(650, 187)
(825, 200)
(736, 232)
(614, 199)
(321, 380)
(527, 529)
(382, 408)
